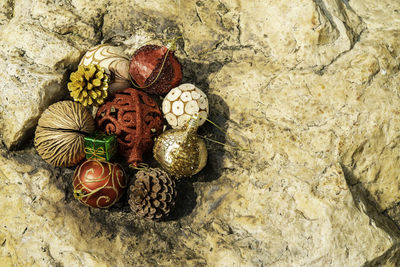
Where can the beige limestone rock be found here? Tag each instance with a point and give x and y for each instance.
(33, 72)
(378, 15)
(38, 229)
(6, 11)
(263, 219)
(310, 88)
(304, 35)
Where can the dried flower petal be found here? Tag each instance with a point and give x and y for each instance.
(89, 85)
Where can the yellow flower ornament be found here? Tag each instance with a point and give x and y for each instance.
(89, 85)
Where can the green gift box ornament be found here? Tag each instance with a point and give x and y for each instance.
(100, 146)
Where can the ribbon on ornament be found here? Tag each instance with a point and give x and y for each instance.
(140, 167)
(97, 153)
(100, 146)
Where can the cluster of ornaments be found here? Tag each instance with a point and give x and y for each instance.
(114, 111)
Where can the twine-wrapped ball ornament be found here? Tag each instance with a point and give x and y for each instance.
(98, 184)
(153, 194)
(155, 69)
(136, 120)
(114, 62)
(60, 132)
(182, 102)
(89, 85)
(181, 152)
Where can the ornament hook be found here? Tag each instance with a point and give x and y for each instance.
(140, 167)
(171, 43)
(236, 145)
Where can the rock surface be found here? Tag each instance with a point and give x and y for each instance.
(310, 88)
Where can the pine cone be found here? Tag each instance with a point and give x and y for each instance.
(89, 85)
(153, 194)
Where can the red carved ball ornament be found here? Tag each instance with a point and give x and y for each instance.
(98, 184)
(155, 69)
(135, 118)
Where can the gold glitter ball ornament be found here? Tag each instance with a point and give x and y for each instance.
(89, 85)
(181, 152)
(60, 131)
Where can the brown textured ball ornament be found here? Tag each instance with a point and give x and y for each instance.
(135, 118)
(155, 69)
(181, 152)
(60, 131)
(98, 184)
(153, 195)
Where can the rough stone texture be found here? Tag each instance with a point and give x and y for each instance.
(35, 54)
(311, 88)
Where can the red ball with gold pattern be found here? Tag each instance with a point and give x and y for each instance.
(99, 184)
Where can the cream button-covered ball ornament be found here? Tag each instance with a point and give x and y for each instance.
(114, 62)
(182, 102)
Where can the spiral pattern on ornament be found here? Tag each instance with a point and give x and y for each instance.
(135, 118)
(100, 183)
(110, 58)
(113, 60)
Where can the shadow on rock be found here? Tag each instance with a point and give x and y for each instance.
(364, 202)
(219, 114)
(390, 258)
(198, 74)
(185, 202)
